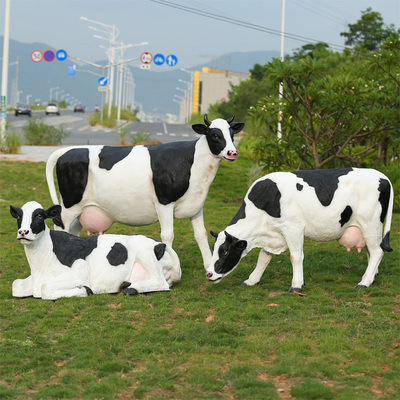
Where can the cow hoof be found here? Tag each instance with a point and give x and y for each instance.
(361, 287)
(130, 291)
(88, 291)
(293, 289)
(244, 284)
(124, 285)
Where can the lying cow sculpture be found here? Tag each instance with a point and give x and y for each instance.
(282, 209)
(64, 265)
(140, 185)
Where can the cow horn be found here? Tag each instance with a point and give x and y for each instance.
(229, 120)
(206, 121)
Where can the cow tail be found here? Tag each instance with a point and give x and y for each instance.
(385, 245)
(51, 163)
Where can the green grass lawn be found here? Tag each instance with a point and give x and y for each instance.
(202, 341)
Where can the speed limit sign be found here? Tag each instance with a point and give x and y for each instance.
(146, 58)
(36, 56)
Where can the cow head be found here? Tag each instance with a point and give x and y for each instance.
(31, 220)
(228, 250)
(219, 134)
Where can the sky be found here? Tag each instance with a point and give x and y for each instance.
(193, 38)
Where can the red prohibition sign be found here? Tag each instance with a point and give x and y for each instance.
(146, 57)
(49, 55)
(36, 56)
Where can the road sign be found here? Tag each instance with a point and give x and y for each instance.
(36, 56)
(103, 81)
(103, 88)
(159, 59)
(146, 57)
(49, 55)
(71, 69)
(171, 60)
(144, 66)
(61, 55)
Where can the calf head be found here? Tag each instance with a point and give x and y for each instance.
(219, 134)
(31, 220)
(228, 250)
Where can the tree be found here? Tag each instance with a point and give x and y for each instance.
(369, 31)
(334, 119)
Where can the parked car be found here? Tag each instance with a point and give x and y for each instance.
(79, 108)
(52, 108)
(23, 110)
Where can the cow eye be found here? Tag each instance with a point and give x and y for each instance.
(39, 216)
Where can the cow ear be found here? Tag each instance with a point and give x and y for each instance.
(214, 234)
(54, 212)
(200, 129)
(236, 127)
(15, 212)
(241, 245)
(159, 250)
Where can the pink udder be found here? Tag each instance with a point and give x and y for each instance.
(352, 237)
(138, 274)
(95, 221)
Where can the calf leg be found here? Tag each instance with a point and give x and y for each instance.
(263, 260)
(155, 283)
(201, 237)
(23, 287)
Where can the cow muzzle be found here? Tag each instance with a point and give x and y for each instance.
(231, 155)
(213, 277)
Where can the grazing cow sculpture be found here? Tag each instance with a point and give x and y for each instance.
(281, 209)
(64, 265)
(140, 185)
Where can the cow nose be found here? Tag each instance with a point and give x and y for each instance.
(209, 275)
(23, 232)
(232, 153)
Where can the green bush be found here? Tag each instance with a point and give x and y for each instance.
(13, 143)
(37, 133)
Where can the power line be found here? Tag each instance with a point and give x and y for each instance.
(244, 23)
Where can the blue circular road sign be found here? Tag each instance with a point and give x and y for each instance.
(171, 60)
(103, 81)
(159, 59)
(49, 55)
(61, 55)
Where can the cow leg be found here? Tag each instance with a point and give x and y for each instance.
(296, 258)
(155, 283)
(23, 287)
(263, 260)
(201, 237)
(375, 254)
(166, 218)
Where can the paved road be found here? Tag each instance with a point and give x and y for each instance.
(81, 133)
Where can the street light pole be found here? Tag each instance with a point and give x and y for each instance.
(4, 76)
(279, 133)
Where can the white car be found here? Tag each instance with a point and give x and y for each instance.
(52, 108)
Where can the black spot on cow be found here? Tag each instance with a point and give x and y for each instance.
(37, 224)
(117, 255)
(69, 248)
(72, 174)
(229, 253)
(159, 250)
(384, 197)
(266, 196)
(241, 214)
(171, 164)
(345, 215)
(325, 182)
(111, 155)
(299, 187)
(17, 213)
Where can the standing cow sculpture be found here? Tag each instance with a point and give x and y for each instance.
(64, 265)
(140, 185)
(281, 209)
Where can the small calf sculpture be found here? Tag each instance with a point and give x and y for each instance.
(281, 209)
(64, 265)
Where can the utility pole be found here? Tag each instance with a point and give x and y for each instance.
(4, 76)
(279, 133)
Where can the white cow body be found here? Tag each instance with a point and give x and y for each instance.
(63, 265)
(141, 185)
(282, 209)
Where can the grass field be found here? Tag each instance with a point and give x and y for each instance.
(202, 341)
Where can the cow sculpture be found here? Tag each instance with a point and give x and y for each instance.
(64, 265)
(140, 185)
(282, 209)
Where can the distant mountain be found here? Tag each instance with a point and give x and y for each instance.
(154, 90)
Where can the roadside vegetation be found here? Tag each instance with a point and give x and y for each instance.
(202, 341)
(37, 133)
(127, 114)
